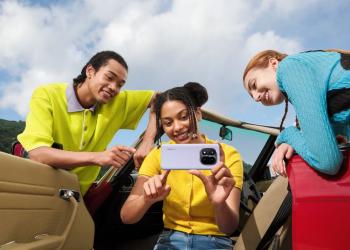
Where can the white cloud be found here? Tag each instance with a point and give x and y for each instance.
(269, 40)
(284, 8)
(21, 29)
(187, 40)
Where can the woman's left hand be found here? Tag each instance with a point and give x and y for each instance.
(283, 151)
(219, 184)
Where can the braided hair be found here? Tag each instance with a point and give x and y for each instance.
(284, 115)
(98, 60)
(193, 95)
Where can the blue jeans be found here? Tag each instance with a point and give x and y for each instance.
(171, 239)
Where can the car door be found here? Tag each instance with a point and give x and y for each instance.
(41, 207)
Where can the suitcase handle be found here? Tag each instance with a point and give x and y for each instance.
(344, 147)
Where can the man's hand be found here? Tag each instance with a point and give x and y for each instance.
(155, 188)
(116, 157)
(143, 150)
(148, 138)
(282, 151)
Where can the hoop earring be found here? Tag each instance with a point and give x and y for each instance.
(194, 135)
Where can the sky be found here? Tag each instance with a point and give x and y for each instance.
(166, 43)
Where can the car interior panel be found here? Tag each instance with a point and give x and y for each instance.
(41, 208)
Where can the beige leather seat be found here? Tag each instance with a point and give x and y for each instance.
(262, 217)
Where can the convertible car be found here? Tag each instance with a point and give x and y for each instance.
(42, 208)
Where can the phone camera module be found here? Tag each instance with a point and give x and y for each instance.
(212, 152)
(208, 156)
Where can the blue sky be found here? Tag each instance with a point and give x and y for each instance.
(165, 43)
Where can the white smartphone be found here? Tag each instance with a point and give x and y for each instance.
(189, 156)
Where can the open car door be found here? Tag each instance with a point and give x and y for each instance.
(41, 207)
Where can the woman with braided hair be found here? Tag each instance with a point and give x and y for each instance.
(317, 84)
(201, 207)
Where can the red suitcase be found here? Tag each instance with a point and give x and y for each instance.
(321, 206)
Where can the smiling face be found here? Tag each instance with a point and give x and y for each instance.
(105, 83)
(262, 86)
(175, 120)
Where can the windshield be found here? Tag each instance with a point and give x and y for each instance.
(249, 143)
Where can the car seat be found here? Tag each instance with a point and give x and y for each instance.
(263, 216)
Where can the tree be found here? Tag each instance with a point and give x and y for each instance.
(8, 133)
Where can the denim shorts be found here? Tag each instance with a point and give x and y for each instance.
(172, 239)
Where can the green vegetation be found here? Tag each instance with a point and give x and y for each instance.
(247, 166)
(8, 133)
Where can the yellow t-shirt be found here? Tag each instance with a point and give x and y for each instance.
(187, 207)
(88, 130)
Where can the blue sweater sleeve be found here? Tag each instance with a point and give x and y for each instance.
(315, 141)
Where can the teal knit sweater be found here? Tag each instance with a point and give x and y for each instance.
(306, 78)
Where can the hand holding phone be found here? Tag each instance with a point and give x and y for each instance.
(189, 156)
(218, 185)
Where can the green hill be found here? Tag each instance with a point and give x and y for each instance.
(8, 133)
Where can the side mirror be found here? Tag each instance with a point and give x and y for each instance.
(225, 133)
